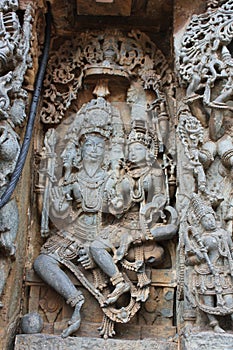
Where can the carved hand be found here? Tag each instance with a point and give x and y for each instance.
(60, 199)
(85, 259)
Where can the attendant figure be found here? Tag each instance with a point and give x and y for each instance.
(209, 249)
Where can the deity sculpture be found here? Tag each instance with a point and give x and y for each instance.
(93, 188)
(86, 188)
(141, 195)
(209, 249)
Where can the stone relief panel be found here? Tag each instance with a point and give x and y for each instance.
(107, 187)
(15, 35)
(205, 143)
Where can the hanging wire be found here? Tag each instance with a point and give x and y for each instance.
(31, 119)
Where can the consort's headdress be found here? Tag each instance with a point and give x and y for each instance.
(139, 133)
(200, 207)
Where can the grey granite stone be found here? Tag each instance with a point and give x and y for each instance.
(207, 341)
(49, 342)
(32, 323)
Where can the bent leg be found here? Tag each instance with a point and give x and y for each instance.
(103, 259)
(49, 270)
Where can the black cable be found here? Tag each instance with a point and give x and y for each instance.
(31, 119)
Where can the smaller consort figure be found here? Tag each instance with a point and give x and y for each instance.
(139, 199)
(209, 249)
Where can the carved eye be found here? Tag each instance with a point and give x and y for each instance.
(100, 147)
(88, 144)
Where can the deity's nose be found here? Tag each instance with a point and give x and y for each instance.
(94, 148)
(132, 153)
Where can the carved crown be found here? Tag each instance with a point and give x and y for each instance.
(200, 207)
(94, 118)
(139, 133)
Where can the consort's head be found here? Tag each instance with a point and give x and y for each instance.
(208, 222)
(137, 153)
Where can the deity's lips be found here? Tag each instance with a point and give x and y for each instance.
(133, 159)
(93, 155)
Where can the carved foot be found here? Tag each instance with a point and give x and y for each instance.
(120, 289)
(218, 329)
(71, 329)
(74, 322)
(120, 253)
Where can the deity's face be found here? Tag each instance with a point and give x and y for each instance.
(93, 148)
(208, 222)
(137, 153)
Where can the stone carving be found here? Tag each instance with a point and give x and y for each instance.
(108, 53)
(24, 342)
(209, 249)
(212, 340)
(31, 323)
(14, 54)
(111, 202)
(205, 67)
(9, 150)
(190, 132)
(14, 58)
(206, 63)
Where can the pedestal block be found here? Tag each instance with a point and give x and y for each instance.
(48, 342)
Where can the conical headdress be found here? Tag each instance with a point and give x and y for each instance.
(200, 207)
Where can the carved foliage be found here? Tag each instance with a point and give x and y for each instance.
(110, 53)
(205, 59)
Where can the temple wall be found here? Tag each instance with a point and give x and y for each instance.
(120, 225)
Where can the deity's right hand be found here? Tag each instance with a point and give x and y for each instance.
(59, 199)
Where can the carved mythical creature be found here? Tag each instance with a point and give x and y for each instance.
(209, 249)
(92, 189)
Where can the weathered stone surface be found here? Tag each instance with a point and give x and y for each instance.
(103, 7)
(205, 132)
(208, 340)
(112, 193)
(130, 74)
(32, 323)
(38, 342)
